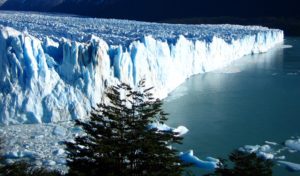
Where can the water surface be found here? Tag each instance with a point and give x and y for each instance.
(254, 100)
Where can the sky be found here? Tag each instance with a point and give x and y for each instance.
(239, 8)
(153, 10)
(167, 9)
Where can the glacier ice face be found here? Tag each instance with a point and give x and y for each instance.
(49, 75)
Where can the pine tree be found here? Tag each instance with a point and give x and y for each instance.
(245, 164)
(118, 139)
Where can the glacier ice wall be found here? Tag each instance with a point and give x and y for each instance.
(47, 80)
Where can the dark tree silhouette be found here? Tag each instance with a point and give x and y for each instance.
(244, 164)
(119, 141)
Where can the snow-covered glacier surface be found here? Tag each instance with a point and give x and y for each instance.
(53, 68)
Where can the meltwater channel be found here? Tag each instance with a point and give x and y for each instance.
(256, 99)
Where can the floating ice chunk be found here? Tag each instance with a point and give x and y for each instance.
(49, 163)
(20, 154)
(293, 144)
(12, 155)
(286, 46)
(59, 152)
(292, 74)
(209, 164)
(264, 151)
(250, 148)
(37, 136)
(271, 143)
(160, 127)
(181, 130)
(28, 154)
(292, 151)
(59, 131)
(61, 161)
(76, 130)
(294, 167)
(267, 156)
(280, 157)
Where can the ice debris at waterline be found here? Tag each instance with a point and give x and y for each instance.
(54, 68)
(274, 151)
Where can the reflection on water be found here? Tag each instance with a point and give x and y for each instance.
(254, 100)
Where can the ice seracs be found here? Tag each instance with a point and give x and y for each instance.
(54, 76)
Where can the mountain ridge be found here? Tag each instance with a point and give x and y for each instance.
(156, 10)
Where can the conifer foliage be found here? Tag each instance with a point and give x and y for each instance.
(118, 139)
(245, 164)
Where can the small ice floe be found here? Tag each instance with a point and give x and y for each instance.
(274, 74)
(59, 131)
(264, 151)
(76, 130)
(208, 164)
(292, 151)
(280, 157)
(280, 150)
(267, 156)
(37, 136)
(59, 152)
(180, 130)
(293, 144)
(250, 148)
(61, 161)
(49, 163)
(20, 154)
(292, 74)
(271, 143)
(12, 154)
(294, 167)
(28, 154)
(286, 46)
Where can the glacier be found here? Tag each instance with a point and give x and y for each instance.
(54, 68)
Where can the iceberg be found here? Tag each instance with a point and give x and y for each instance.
(55, 68)
(208, 164)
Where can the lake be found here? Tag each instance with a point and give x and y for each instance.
(255, 99)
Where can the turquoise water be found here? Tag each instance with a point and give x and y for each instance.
(256, 99)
